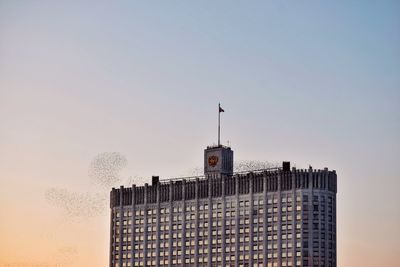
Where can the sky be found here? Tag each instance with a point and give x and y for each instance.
(87, 82)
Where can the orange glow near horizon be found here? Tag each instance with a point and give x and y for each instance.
(311, 82)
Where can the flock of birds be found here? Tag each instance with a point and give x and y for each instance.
(104, 172)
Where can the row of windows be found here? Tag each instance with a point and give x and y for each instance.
(205, 261)
(271, 235)
(229, 258)
(191, 244)
(217, 240)
(243, 228)
(229, 204)
(205, 224)
(192, 216)
(214, 232)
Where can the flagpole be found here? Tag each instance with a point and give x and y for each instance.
(219, 123)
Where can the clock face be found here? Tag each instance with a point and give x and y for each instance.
(212, 161)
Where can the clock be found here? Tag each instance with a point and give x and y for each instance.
(212, 161)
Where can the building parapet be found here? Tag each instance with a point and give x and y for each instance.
(199, 187)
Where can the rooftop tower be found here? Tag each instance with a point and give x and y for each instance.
(218, 161)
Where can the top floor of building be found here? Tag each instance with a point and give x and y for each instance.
(214, 185)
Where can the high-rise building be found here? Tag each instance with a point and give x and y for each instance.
(272, 217)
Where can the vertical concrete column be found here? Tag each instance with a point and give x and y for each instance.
(170, 224)
(251, 219)
(133, 224)
(237, 221)
(279, 195)
(183, 239)
(304, 191)
(320, 219)
(326, 195)
(121, 211)
(146, 234)
(334, 219)
(294, 214)
(334, 222)
(223, 220)
(158, 225)
(196, 250)
(265, 224)
(310, 216)
(210, 221)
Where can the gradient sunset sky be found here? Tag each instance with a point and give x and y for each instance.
(313, 82)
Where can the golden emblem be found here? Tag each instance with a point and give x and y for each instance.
(212, 161)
